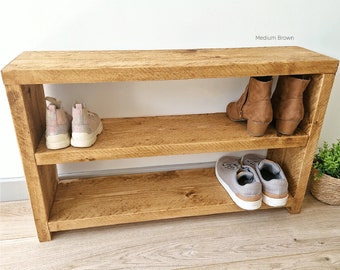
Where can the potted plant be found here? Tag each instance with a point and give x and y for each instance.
(325, 176)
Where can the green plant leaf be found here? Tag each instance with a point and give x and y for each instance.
(327, 160)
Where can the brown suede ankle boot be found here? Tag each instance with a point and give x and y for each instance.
(287, 102)
(254, 106)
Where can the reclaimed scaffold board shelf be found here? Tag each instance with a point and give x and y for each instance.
(97, 201)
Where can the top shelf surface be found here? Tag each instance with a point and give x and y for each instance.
(58, 67)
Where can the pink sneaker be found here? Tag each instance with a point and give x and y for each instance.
(85, 126)
(57, 125)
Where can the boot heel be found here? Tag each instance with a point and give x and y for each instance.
(256, 129)
(286, 127)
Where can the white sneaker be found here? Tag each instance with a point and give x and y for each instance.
(273, 179)
(85, 126)
(241, 182)
(57, 125)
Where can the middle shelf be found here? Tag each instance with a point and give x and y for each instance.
(168, 135)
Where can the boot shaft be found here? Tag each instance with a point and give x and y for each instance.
(257, 105)
(254, 105)
(290, 87)
(259, 89)
(287, 102)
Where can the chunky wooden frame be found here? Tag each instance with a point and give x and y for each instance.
(72, 204)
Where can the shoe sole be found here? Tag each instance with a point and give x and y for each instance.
(274, 202)
(257, 129)
(57, 141)
(85, 139)
(246, 205)
(286, 127)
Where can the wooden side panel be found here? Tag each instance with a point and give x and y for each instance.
(316, 99)
(297, 162)
(35, 108)
(28, 113)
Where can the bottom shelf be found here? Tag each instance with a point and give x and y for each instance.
(92, 202)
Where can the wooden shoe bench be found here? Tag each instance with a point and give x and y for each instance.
(82, 203)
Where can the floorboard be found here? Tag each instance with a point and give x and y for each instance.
(266, 239)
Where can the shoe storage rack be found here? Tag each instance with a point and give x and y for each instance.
(82, 203)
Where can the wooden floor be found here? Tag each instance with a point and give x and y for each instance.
(268, 239)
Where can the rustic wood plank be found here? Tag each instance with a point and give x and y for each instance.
(108, 66)
(316, 99)
(297, 162)
(232, 241)
(27, 114)
(168, 135)
(138, 197)
(35, 108)
(329, 259)
(16, 220)
(316, 105)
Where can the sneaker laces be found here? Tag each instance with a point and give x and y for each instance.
(249, 162)
(231, 165)
(92, 114)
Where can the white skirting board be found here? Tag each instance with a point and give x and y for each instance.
(13, 189)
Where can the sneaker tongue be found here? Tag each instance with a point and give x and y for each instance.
(245, 174)
(244, 177)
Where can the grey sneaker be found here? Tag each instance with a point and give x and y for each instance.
(273, 179)
(57, 125)
(241, 182)
(85, 126)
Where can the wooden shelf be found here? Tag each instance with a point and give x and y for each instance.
(73, 204)
(109, 200)
(168, 135)
(109, 66)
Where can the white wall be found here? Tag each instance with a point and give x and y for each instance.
(155, 24)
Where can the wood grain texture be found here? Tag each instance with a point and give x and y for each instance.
(271, 239)
(103, 204)
(297, 162)
(16, 220)
(108, 66)
(138, 197)
(316, 105)
(41, 180)
(168, 135)
(316, 260)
